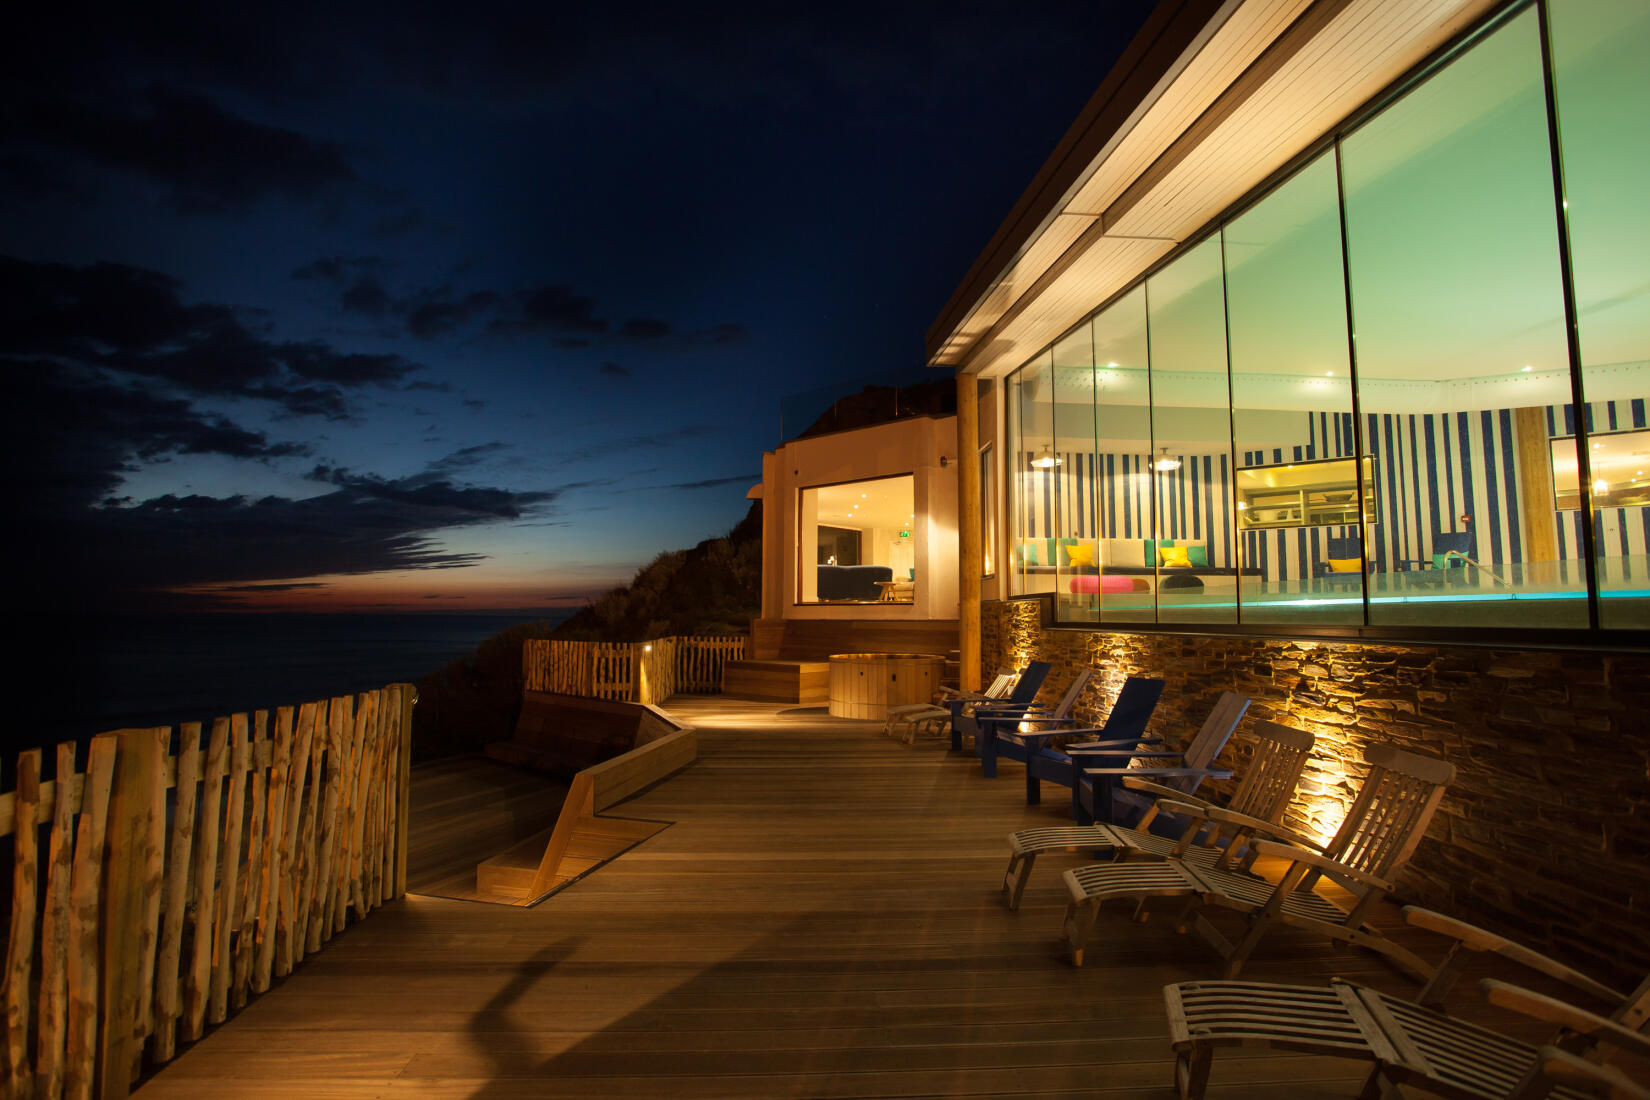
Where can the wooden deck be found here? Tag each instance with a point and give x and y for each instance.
(822, 919)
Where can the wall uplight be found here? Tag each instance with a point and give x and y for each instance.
(1046, 459)
(1166, 463)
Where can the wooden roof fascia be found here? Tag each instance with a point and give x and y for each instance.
(1162, 45)
(1286, 45)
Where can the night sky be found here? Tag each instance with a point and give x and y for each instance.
(472, 307)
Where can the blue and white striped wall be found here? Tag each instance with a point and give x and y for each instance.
(1431, 468)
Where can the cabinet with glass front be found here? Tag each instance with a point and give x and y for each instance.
(1304, 494)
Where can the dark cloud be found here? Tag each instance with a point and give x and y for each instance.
(467, 457)
(553, 309)
(438, 316)
(78, 434)
(209, 159)
(113, 318)
(643, 329)
(366, 296)
(662, 335)
(338, 269)
(614, 370)
(443, 503)
(716, 482)
(638, 442)
(398, 223)
(424, 386)
(474, 403)
(291, 586)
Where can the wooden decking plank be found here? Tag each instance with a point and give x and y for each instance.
(820, 918)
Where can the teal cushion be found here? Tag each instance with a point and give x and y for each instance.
(1198, 556)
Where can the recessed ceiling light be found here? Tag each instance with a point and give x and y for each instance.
(1329, 374)
(1525, 368)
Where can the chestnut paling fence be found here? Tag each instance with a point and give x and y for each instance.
(160, 886)
(629, 672)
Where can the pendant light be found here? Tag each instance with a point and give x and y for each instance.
(1046, 459)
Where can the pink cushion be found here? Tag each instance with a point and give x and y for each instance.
(1108, 583)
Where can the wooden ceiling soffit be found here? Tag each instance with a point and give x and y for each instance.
(1285, 46)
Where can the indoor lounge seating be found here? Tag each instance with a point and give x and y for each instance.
(852, 582)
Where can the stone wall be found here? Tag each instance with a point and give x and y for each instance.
(1544, 835)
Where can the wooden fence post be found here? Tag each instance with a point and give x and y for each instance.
(129, 884)
(403, 781)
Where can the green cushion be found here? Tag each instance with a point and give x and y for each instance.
(1199, 556)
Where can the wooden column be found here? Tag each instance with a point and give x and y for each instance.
(1535, 485)
(970, 560)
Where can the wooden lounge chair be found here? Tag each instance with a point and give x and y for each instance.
(907, 720)
(1381, 831)
(1098, 793)
(1262, 796)
(1407, 1042)
(998, 721)
(1125, 727)
(964, 708)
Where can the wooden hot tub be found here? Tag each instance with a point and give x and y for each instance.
(865, 685)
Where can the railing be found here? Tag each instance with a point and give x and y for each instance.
(629, 672)
(175, 887)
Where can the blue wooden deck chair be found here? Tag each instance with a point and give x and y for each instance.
(1100, 794)
(1125, 727)
(999, 722)
(963, 707)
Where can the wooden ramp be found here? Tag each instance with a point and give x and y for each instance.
(580, 841)
(511, 875)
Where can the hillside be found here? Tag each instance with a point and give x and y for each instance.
(714, 588)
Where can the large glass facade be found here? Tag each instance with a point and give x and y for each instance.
(1601, 86)
(1354, 401)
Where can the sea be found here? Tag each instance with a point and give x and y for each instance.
(154, 670)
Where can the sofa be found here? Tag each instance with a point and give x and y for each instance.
(852, 582)
(1161, 563)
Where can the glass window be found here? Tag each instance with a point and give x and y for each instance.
(1073, 553)
(857, 542)
(1196, 571)
(1461, 353)
(1124, 587)
(988, 512)
(1035, 472)
(1297, 498)
(1602, 90)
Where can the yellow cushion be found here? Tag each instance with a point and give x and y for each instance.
(1081, 554)
(1173, 557)
(1346, 565)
